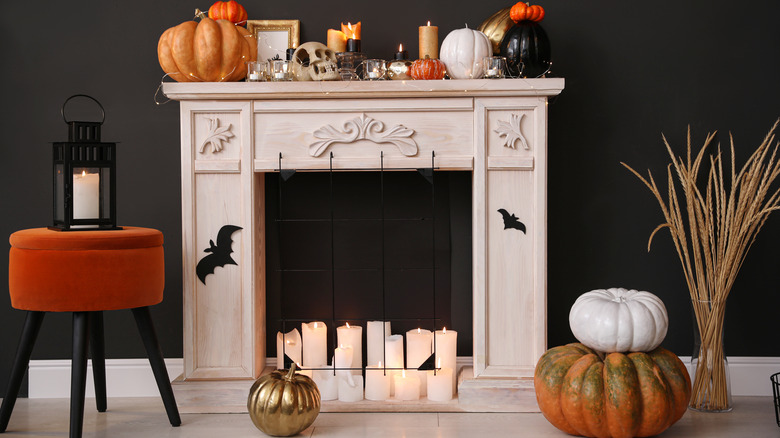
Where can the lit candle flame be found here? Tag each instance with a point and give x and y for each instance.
(439, 365)
(400, 47)
(429, 22)
(315, 325)
(418, 330)
(83, 173)
(444, 331)
(347, 325)
(380, 364)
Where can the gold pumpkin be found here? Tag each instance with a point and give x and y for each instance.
(283, 403)
(208, 51)
(495, 28)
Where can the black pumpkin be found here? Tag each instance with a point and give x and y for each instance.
(527, 50)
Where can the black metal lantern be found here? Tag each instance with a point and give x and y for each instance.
(84, 177)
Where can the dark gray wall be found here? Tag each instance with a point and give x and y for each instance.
(633, 71)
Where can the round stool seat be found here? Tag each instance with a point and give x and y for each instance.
(85, 271)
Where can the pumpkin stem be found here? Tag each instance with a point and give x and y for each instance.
(200, 14)
(291, 373)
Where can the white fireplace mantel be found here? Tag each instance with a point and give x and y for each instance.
(233, 133)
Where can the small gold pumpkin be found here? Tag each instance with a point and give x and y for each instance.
(283, 403)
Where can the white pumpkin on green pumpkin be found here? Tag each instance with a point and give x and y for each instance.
(619, 320)
(462, 52)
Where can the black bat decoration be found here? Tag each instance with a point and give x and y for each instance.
(510, 221)
(220, 253)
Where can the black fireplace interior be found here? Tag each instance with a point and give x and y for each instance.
(363, 246)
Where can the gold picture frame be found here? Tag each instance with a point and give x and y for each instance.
(274, 37)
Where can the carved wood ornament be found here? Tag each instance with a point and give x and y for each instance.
(511, 131)
(217, 134)
(364, 128)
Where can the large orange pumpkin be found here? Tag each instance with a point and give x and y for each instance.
(229, 10)
(209, 51)
(623, 395)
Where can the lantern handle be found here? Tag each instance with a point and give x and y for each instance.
(102, 111)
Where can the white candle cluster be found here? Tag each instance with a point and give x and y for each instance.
(342, 379)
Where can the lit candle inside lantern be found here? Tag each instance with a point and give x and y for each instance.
(352, 32)
(407, 387)
(446, 350)
(290, 345)
(344, 356)
(377, 382)
(337, 40)
(401, 54)
(419, 347)
(315, 344)
(440, 384)
(375, 341)
(352, 336)
(429, 41)
(86, 195)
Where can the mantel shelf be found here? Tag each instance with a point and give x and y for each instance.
(362, 89)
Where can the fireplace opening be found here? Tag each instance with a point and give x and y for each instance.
(365, 246)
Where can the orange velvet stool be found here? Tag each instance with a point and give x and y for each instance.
(86, 272)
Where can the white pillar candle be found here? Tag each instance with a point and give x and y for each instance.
(327, 383)
(440, 384)
(376, 332)
(86, 195)
(407, 386)
(349, 392)
(446, 344)
(394, 351)
(307, 373)
(377, 382)
(352, 336)
(419, 347)
(344, 355)
(290, 345)
(315, 344)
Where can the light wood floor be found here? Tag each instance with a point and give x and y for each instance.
(752, 417)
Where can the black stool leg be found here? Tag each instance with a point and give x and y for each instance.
(97, 347)
(144, 322)
(78, 372)
(32, 325)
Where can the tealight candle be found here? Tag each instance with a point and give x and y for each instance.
(315, 344)
(407, 387)
(290, 345)
(429, 41)
(352, 336)
(446, 344)
(377, 382)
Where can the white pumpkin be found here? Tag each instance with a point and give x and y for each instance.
(462, 52)
(619, 320)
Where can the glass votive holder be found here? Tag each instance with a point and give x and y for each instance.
(350, 65)
(494, 67)
(257, 71)
(281, 70)
(374, 70)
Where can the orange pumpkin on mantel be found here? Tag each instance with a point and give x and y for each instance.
(208, 51)
(229, 10)
(427, 69)
(522, 11)
(617, 396)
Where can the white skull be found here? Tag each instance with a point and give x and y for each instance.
(314, 61)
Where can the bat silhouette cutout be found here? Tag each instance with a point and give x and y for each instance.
(510, 221)
(220, 253)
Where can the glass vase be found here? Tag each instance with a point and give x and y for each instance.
(711, 385)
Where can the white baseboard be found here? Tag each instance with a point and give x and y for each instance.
(124, 378)
(134, 378)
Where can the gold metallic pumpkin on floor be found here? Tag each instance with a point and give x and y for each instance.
(283, 403)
